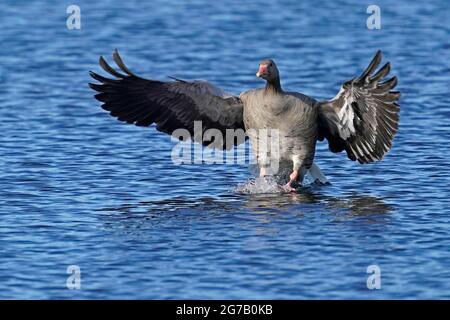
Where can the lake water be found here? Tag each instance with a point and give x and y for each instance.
(79, 188)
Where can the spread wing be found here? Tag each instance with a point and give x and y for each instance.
(170, 105)
(363, 117)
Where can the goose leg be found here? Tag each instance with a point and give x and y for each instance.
(297, 175)
(262, 172)
(292, 178)
(264, 166)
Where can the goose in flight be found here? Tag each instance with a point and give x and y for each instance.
(361, 119)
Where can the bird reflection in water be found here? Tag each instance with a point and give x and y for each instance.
(263, 207)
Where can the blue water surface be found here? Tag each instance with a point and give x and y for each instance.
(79, 188)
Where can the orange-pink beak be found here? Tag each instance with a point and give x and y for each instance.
(262, 70)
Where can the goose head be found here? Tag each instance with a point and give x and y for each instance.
(268, 70)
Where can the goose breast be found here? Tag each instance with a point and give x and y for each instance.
(294, 117)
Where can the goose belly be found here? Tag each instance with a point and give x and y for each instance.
(282, 132)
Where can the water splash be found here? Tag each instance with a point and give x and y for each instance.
(274, 184)
(260, 185)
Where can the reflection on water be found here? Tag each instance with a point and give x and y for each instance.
(360, 205)
(230, 205)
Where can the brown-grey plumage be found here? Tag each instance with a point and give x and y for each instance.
(292, 114)
(362, 119)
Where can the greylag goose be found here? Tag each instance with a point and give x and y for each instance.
(361, 119)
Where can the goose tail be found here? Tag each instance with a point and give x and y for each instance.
(317, 175)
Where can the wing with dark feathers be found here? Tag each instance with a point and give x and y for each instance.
(363, 117)
(170, 105)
